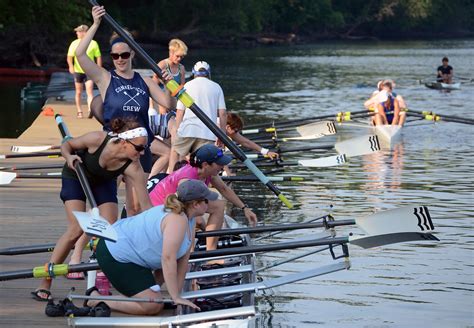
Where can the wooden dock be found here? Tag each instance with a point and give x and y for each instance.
(32, 213)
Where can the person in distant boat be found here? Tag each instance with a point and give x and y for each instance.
(388, 107)
(154, 247)
(233, 128)
(105, 156)
(124, 92)
(445, 72)
(163, 122)
(80, 78)
(205, 165)
(208, 95)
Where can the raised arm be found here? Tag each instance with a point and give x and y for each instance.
(97, 74)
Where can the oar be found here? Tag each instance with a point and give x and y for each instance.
(306, 119)
(436, 118)
(91, 223)
(247, 178)
(32, 149)
(178, 92)
(32, 167)
(384, 228)
(404, 219)
(308, 131)
(8, 177)
(49, 155)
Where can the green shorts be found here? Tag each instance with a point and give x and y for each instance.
(128, 278)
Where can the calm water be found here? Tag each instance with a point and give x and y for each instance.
(429, 284)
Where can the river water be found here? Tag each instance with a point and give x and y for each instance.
(403, 285)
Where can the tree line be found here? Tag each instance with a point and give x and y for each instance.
(38, 27)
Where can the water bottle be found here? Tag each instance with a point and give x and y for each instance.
(102, 284)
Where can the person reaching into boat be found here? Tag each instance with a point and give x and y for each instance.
(233, 128)
(151, 248)
(105, 156)
(124, 92)
(445, 72)
(205, 165)
(388, 108)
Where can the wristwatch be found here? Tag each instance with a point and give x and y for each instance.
(244, 207)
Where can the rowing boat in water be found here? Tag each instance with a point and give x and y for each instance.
(388, 134)
(443, 86)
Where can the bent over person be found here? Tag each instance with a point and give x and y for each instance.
(153, 247)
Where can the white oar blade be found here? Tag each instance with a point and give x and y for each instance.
(319, 129)
(95, 225)
(323, 162)
(405, 219)
(358, 146)
(29, 149)
(392, 238)
(7, 177)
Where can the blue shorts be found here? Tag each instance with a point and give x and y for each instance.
(389, 118)
(104, 192)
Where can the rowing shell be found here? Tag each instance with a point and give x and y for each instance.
(443, 86)
(388, 134)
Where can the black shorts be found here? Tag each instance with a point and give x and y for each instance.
(128, 278)
(146, 160)
(80, 77)
(104, 192)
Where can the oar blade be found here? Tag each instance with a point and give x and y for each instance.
(319, 129)
(29, 149)
(95, 225)
(7, 177)
(404, 219)
(392, 238)
(324, 161)
(358, 146)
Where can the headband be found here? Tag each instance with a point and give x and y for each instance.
(131, 134)
(117, 40)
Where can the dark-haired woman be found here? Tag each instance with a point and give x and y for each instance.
(154, 246)
(124, 92)
(105, 156)
(205, 165)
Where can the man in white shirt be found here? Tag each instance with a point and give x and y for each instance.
(209, 97)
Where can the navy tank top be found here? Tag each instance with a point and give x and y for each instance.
(127, 98)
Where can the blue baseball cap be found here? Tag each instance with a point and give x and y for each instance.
(211, 154)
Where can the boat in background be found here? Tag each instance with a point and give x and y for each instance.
(443, 86)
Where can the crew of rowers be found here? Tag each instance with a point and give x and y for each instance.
(155, 241)
(387, 106)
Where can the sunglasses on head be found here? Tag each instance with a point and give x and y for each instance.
(123, 55)
(138, 148)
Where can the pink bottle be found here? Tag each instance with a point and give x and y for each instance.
(102, 284)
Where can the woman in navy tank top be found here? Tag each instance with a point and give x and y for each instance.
(125, 93)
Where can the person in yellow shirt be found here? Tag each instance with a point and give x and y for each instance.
(80, 78)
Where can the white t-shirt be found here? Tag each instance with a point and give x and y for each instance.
(208, 95)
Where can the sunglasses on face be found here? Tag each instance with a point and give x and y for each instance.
(204, 200)
(138, 148)
(123, 55)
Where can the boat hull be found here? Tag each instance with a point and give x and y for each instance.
(443, 86)
(388, 134)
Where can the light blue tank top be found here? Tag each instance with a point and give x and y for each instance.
(140, 239)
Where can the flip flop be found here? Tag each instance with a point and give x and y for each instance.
(79, 115)
(36, 295)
